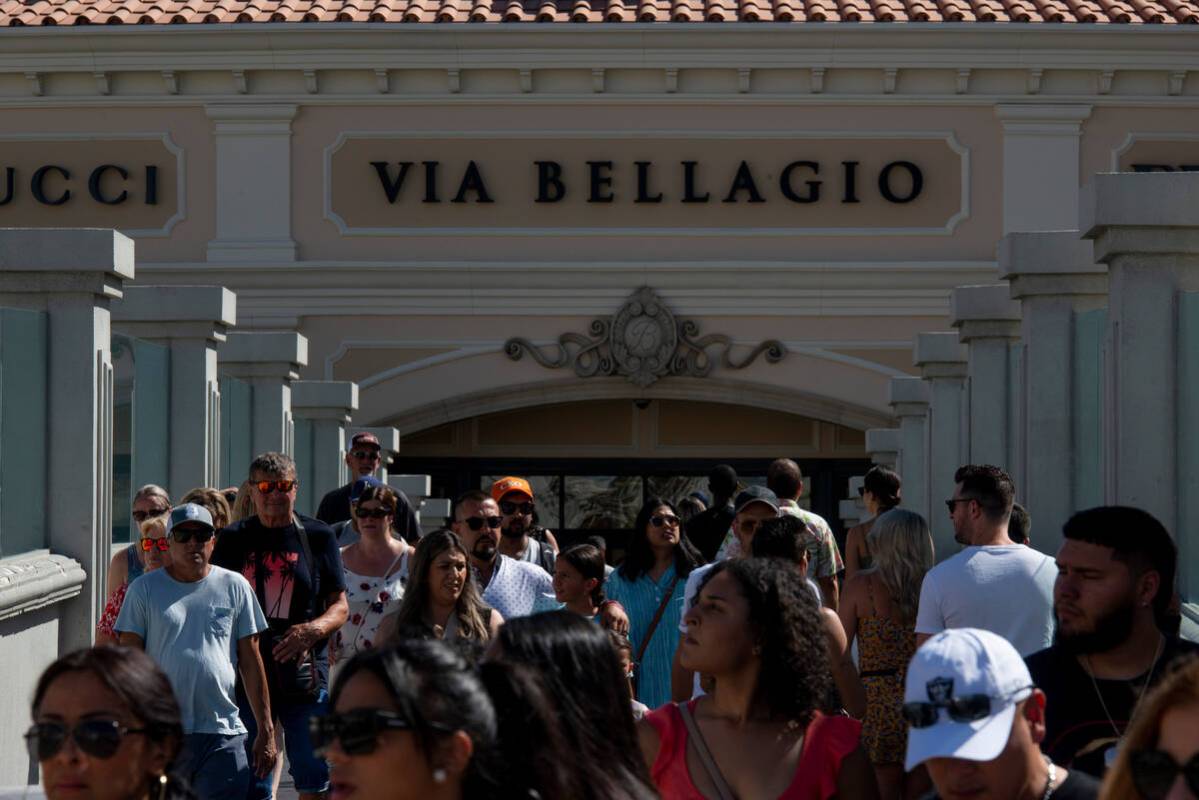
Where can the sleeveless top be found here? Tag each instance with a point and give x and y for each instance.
(885, 647)
(136, 569)
(370, 598)
(827, 741)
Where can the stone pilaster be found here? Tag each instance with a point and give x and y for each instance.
(269, 362)
(883, 445)
(942, 361)
(322, 410)
(1041, 165)
(988, 323)
(908, 398)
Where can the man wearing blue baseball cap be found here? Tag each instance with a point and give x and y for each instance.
(976, 722)
(200, 623)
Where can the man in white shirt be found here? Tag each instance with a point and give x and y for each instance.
(993, 583)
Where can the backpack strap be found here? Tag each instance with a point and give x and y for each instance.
(695, 739)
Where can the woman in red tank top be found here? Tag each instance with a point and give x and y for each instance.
(755, 628)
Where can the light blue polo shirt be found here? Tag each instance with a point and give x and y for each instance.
(191, 630)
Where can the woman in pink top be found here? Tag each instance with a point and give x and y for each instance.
(755, 628)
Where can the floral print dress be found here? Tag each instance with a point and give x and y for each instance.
(371, 598)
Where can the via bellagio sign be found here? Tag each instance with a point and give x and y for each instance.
(388, 184)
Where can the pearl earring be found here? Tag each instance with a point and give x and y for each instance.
(439, 776)
(162, 787)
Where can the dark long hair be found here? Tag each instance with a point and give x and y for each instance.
(470, 608)
(795, 677)
(589, 562)
(577, 665)
(142, 687)
(435, 689)
(640, 557)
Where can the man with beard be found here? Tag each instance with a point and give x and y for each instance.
(993, 583)
(521, 538)
(1111, 600)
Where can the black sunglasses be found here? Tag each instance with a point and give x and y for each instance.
(375, 513)
(510, 508)
(99, 738)
(357, 731)
(365, 455)
(142, 516)
(185, 535)
(477, 523)
(662, 520)
(967, 708)
(1154, 771)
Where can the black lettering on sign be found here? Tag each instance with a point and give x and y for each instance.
(788, 190)
(391, 188)
(430, 181)
(10, 174)
(151, 185)
(743, 181)
(643, 195)
(472, 181)
(915, 175)
(851, 182)
(96, 191)
(601, 182)
(689, 195)
(550, 188)
(39, 190)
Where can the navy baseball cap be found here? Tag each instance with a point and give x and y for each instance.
(360, 486)
(757, 494)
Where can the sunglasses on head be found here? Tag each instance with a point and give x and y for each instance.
(510, 508)
(142, 516)
(1154, 773)
(374, 513)
(357, 731)
(185, 535)
(266, 487)
(365, 455)
(664, 520)
(478, 523)
(966, 708)
(100, 738)
(149, 543)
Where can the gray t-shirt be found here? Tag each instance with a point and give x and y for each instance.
(191, 630)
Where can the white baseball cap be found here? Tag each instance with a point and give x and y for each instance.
(954, 664)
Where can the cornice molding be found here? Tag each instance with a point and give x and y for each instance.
(37, 579)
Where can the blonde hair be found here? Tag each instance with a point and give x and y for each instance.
(903, 552)
(154, 527)
(213, 500)
(243, 507)
(152, 490)
(1178, 689)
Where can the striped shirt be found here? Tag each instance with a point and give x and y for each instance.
(641, 599)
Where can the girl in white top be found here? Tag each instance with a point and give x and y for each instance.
(376, 568)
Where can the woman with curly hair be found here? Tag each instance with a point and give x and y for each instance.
(756, 628)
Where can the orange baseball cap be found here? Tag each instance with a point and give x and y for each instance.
(510, 484)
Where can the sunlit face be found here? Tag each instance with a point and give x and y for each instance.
(720, 638)
(192, 554)
(397, 769)
(569, 584)
(447, 577)
(72, 774)
(146, 507)
(746, 523)
(155, 557)
(521, 519)
(963, 515)
(363, 460)
(273, 504)
(368, 523)
(482, 543)
(1177, 738)
(665, 534)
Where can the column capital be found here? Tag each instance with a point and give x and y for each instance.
(984, 312)
(908, 397)
(176, 312)
(257, 354)
(1149, 213)
(940, 355)
(1042, 120)
(1051, 263)
(64, 261)
(883, 445)
(324, 399)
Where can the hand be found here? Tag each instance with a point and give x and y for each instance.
(298, 640)
(265, 752)
(612, 616)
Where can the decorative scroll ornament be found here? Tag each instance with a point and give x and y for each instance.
(644, 342)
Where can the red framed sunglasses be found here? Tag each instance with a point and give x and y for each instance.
(162, 543)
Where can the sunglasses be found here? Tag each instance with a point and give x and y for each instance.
(357, 731)
(952, 502)
(664, 520)
(185, 535)
(266, 487)
(100, 738)
(365, 455)
(509, 508)
(162, 543)
(1154, 772)
(374, 513)
(478, 523)
(967, 708)
(142, 516)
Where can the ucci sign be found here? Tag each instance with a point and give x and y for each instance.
(88, 181)
(384, 184)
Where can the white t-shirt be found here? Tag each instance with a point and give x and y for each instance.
(1005, 589)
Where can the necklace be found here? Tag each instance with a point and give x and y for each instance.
(1050, 780)
(1109, 755)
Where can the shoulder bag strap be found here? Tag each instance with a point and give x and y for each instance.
(315, 601)
(653, 625)
(696, 739)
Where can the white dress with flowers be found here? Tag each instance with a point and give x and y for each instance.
(371, 598)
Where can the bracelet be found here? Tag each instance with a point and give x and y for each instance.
(607, 603)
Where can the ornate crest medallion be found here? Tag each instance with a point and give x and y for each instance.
(643, 338)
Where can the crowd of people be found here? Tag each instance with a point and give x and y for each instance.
(731, 653)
